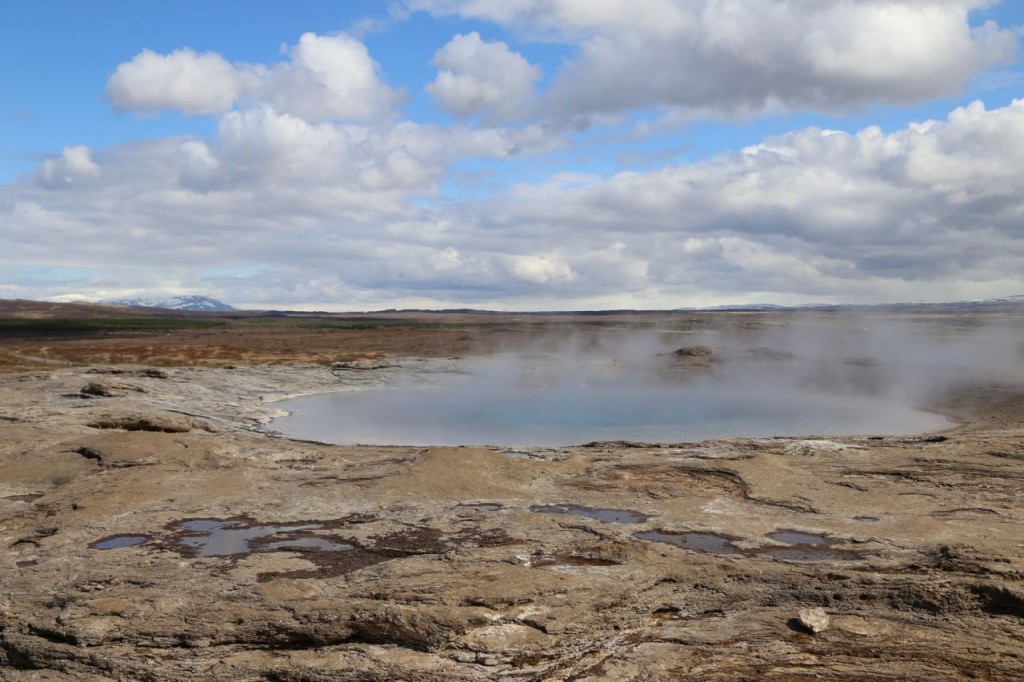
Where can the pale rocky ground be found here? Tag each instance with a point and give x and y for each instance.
(440, 569)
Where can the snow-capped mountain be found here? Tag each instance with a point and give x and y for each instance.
(189, 302)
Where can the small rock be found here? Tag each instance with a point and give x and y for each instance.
(693, 352)
(813, 620)
(489, 661)
(97, 389)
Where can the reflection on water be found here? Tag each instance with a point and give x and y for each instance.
(215, 537)
(482, 413)
(602, 515)
(119, 541)
(796, 537)
(707, 543)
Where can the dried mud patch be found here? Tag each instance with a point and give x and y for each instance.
(664, 481)
(151, 423)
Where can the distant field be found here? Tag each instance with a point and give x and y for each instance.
(35, 335)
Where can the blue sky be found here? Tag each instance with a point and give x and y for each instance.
(531, 155)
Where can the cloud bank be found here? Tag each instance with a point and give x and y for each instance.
(315, 191)
(324, 78)
(727, 58)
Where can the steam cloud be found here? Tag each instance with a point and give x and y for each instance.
(811, 376)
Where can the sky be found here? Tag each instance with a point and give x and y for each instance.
(517, 155)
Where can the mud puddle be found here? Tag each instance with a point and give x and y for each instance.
(802, 546)
(120, 541)
(602, 515)
(238, 537)
(796, 537)
(706, 543)
(805, 547)
(232, 537)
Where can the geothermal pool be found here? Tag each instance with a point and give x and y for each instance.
(481, 412)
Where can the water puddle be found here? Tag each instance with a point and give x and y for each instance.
(230, 537)
(706, 543)
(803, 547)
(602, 515)
(120, 541)
(305, 543)
(796, 537)
(331, 556)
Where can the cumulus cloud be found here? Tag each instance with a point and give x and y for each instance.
(865, 214)
(727, 58)
(196, 83)
(477, 77)
(73, 166)
(276, 150)
(325, 78)
(333, 212)
(542, 269)
(330, 77)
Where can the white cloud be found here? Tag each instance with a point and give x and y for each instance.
(337, 211)
(73, 166)
(566, 17)
(325, 78)
(196, 83)
(477, 77)
(541, 269)
(727, 58)
(328, 78)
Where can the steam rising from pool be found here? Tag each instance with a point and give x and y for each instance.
(797, 380)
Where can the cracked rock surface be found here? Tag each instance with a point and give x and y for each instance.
(152, 531)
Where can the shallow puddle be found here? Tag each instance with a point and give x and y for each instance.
(707, 543)
(806, 547)
(214, 537)
(796, 537)
(602, 515)
(304, 543)
(120, 541)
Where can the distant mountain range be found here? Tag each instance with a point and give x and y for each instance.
(196, 303)
(191, 303)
